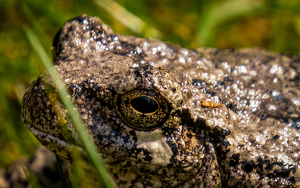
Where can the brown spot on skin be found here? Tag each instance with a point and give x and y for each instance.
(210, 104)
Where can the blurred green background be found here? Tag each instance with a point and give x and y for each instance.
(269, 24)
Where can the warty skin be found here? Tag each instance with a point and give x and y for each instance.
(216, 118)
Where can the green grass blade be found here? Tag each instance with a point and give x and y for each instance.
(36, 27)
(31, 178)
(220, 14)
(60, 171)
(87, 141)
(121, 14)
(126, 18)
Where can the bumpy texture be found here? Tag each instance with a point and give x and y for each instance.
(165, 116)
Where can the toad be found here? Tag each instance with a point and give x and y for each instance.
(166, 116)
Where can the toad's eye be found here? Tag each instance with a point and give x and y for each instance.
(142, 109)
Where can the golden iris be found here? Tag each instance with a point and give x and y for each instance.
(142, 109)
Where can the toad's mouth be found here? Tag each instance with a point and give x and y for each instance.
(64, 149)
(60, 147)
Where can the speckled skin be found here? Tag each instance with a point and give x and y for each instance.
(250, 140)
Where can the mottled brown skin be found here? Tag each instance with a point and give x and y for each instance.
(250, 139)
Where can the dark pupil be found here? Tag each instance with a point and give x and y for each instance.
(144, 104)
